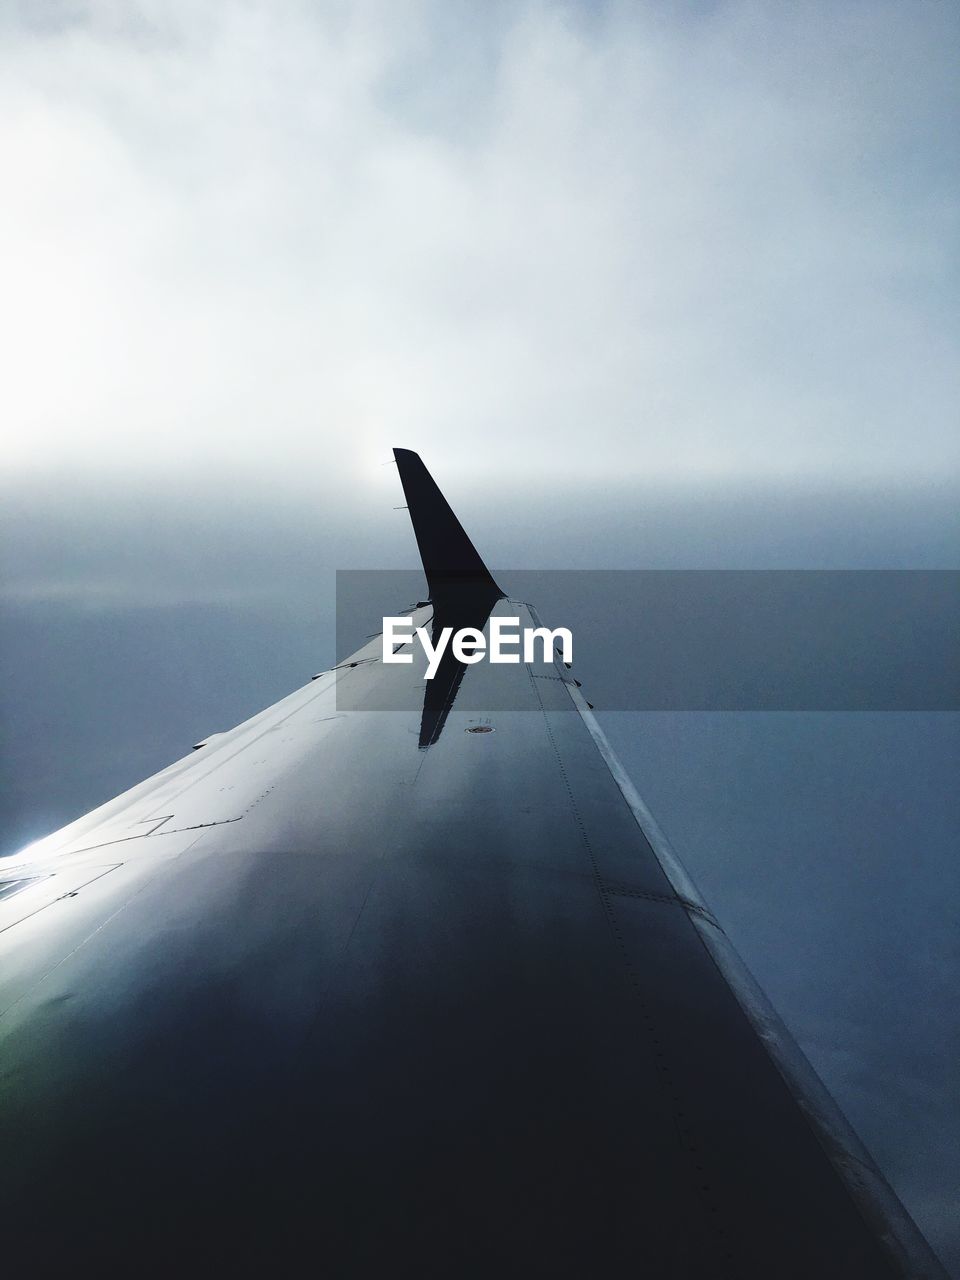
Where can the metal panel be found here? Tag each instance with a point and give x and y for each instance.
(444, 1009)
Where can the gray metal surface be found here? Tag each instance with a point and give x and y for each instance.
(320, 995)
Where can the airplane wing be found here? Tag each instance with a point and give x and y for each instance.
(412, 991)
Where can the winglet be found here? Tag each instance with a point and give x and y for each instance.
(449, 557)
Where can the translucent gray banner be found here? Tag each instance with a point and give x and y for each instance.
(720, 640)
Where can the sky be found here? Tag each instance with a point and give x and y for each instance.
(648, 285)
(711, 241)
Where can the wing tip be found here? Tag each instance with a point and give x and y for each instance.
(445, 548)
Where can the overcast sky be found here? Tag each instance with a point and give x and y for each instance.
(648, 285)
(648, 239)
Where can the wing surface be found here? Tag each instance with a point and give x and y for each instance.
(377, 990)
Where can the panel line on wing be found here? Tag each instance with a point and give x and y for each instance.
(671, 899)
(688, 1138)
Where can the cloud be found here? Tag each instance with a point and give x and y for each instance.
(622, 240)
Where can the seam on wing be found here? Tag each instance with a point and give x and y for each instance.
(671, 899)
(687, 1137)
(147, 835)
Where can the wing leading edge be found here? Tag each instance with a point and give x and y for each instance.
(369, 989)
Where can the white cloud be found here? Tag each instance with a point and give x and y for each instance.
(649, 240)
